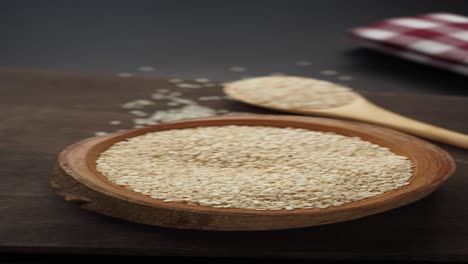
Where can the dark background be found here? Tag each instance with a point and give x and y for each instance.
(192, 39)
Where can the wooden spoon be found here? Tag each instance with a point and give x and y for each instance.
(279, 93)
(77, 179)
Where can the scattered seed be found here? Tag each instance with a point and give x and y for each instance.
(137, 104)
(100, 133)
(208, 98)
(140, 121)
(146, 68)
(202, 80)
(183, 101)
(303, 63)
(329, 72)
(189, 85)
(115, 122)
(138, 113)
(175, 80)
(124, 75)
(190, 110)
(172, 104)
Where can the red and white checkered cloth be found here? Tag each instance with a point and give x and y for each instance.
(438, 39)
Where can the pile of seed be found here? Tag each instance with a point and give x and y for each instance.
(292, 92)
(254, 167)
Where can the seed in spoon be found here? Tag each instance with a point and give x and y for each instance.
(292, 92)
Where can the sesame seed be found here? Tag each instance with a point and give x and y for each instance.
(175, 80)
(190, 110)
(202, 80)
(115, 122)
(100, 133)
(189, 85)
(137, 104)
(329, 72)
(254, 167)
(293, 92)
(124, 75)
(208, 98)
(138, 113)
(146, 68)
(303, 63)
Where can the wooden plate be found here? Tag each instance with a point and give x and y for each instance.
(77, 180)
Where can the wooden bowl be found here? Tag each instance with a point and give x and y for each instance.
(77, 180)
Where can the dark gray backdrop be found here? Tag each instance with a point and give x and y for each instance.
(204, 38)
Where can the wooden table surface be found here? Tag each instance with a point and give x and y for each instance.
(43, 112)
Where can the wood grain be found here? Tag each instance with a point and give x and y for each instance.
(77, 179)
(42, 112)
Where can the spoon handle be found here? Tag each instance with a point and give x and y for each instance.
(371, 113)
